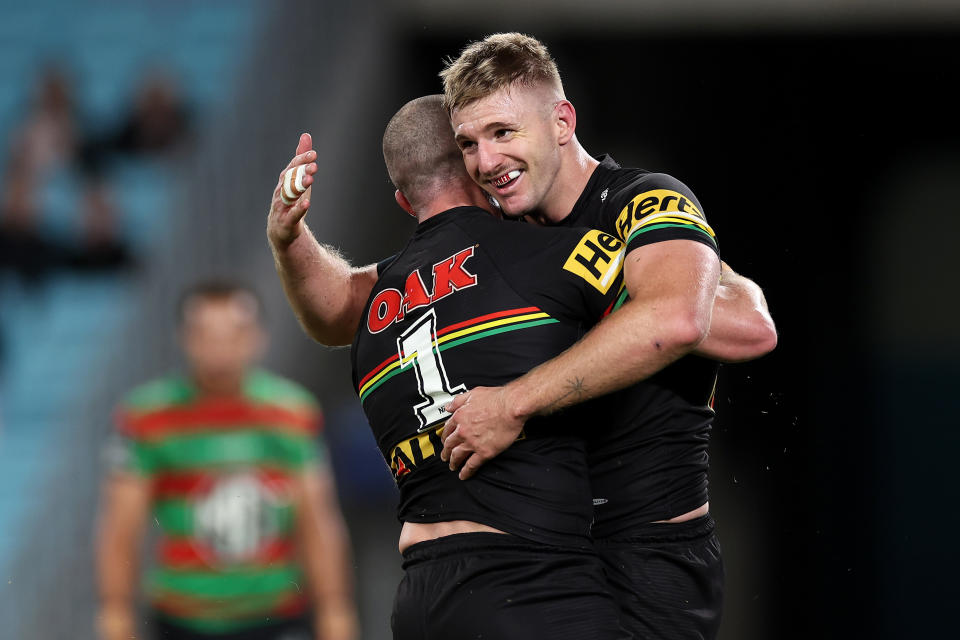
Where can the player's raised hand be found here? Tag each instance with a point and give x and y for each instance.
(291, 197)
(481, 427)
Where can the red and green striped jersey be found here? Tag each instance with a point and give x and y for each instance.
(222, 474)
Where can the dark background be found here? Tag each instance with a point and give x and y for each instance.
(810, 152)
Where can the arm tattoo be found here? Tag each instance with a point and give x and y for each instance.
(575, 392)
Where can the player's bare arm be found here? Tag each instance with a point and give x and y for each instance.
(326, 553)
(672, 287)
(741, 328)
(326, 292)
(126, 503)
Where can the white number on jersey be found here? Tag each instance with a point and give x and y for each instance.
(420, 342)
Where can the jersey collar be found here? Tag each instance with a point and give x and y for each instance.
(599, 177)
(442, 218)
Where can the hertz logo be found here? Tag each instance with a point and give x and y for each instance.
(597, 258)
(659, 206)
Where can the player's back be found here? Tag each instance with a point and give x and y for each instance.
(469, 303)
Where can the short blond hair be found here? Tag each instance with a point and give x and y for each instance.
(496, 62)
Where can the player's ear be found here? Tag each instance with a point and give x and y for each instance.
(404, 203)
(566, 121)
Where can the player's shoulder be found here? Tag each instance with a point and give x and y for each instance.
(157, 394)
(474, 220)
(462, 223)
(510, 233)
(266, 387)
(637, 184)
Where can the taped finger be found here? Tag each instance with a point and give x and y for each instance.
(293, 187)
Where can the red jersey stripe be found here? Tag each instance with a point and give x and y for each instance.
(187, 553)
(216, 415)
(181, 484)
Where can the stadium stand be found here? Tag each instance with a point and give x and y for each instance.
(60, 335)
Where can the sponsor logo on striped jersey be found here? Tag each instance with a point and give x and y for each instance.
(597, 258)
(448, 275)
(658, 208)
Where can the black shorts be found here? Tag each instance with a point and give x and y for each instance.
(498, 587)
(291, 629)
(667, 580)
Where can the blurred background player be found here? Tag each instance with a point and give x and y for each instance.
(225, 459)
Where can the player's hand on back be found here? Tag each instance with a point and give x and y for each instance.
(481, 427)
(285, 220)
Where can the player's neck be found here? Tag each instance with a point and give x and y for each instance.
(576, 167)
(452, 198)
(218, 386)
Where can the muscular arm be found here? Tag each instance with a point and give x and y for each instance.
(126, 503)
(741, 328)
(672, 286)
(326, 292)
(326, 555)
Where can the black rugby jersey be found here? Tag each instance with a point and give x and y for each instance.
(651, 462)
(471, 303)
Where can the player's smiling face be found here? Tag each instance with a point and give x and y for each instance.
(510, 147)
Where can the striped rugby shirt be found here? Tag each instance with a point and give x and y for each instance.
(650, 463)
(476, 301)
(221, 472)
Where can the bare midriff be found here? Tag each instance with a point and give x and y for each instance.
(414, 532)
(702, 510)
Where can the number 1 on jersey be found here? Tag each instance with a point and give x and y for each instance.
(419, 341)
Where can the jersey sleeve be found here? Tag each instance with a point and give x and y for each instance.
(126, 451)
(307, 446)
(655, 207)
(313, 448)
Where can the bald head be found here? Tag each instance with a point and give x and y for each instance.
(421, 155)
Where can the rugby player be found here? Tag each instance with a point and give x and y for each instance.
(516, 130)
(508, 554)
(226, 461)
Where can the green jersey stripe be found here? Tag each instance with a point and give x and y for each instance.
(203, 449)
(229, 583)
(654, 227)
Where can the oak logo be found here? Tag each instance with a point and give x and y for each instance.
(391, 305)
(597, 258)
(654, 205)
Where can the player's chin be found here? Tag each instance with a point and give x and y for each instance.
(513, 208)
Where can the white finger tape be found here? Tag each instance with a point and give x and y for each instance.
(298, 180)
(293, 186)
